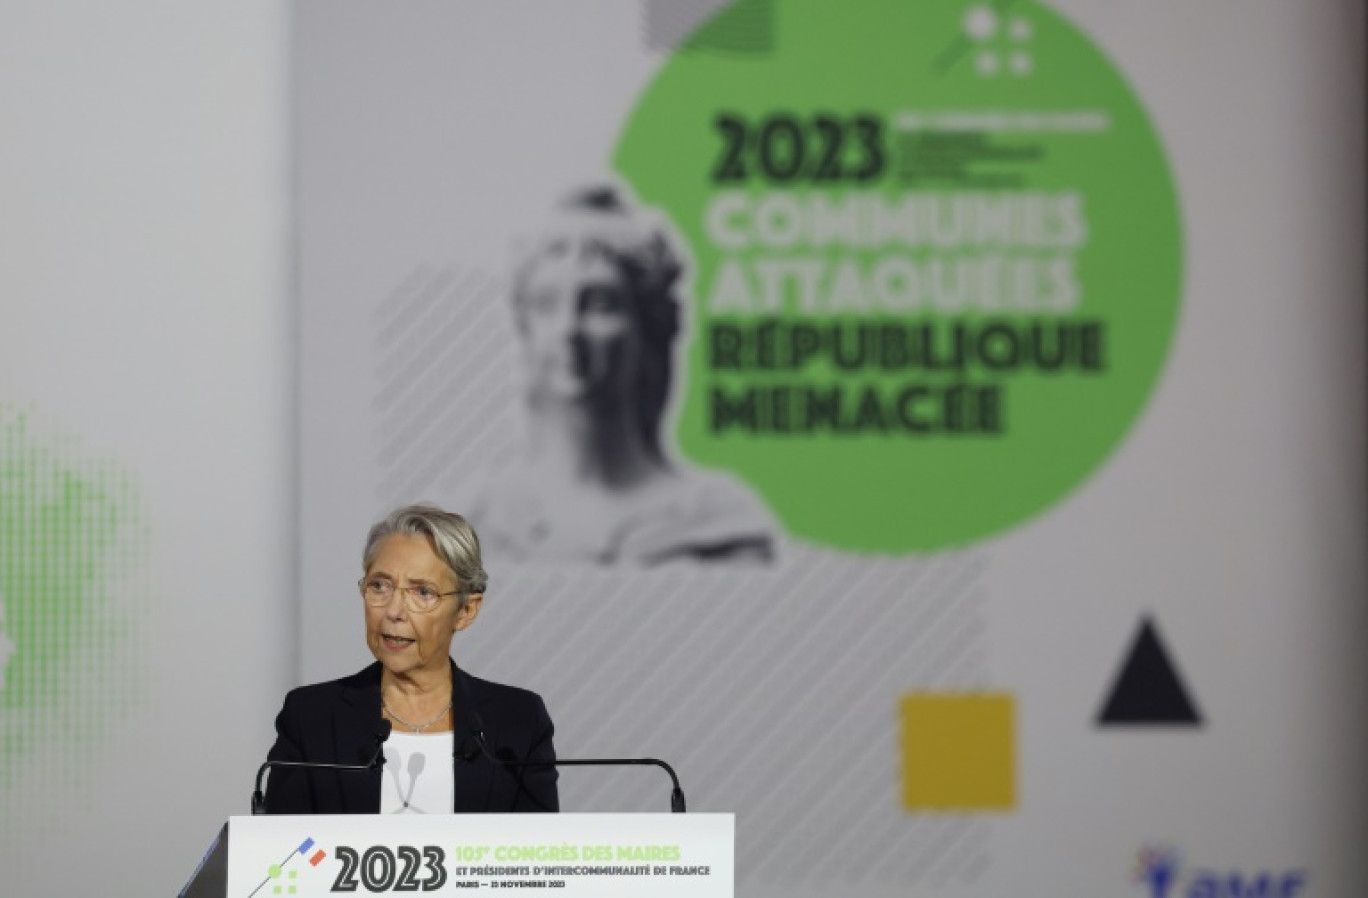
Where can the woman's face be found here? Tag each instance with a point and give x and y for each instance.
(404, 642)
(579, 331)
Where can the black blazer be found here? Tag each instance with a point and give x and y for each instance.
(336, 722)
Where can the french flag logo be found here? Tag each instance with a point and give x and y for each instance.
(317, 857)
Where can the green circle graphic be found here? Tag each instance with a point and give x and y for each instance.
(936, 260)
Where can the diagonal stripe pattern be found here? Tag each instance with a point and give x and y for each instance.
(773, 691)
(746, 27)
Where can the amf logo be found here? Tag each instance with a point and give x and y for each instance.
(1161, 871)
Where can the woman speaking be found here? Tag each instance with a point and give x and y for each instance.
(423, 583)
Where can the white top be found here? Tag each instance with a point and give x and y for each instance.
(418, 777)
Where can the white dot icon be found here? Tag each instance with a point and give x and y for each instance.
(1021, 63)
(987, 63)
(1020, 30)
(980, 22)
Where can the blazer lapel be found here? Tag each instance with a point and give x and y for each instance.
(354, 732)
(475, 776)
(355, 725)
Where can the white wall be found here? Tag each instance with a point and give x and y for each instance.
(144, 280)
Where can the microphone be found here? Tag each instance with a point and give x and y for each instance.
(466, 752)
(506, 759)
(377, 760)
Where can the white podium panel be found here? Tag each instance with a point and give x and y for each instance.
(561, 854)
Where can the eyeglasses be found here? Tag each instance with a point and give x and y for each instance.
(419, 599)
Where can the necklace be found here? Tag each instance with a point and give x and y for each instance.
(416, 727)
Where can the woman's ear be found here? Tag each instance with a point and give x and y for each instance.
(466, 616)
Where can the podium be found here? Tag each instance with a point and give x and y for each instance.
(562, 855)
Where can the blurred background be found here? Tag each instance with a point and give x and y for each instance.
(180, 506)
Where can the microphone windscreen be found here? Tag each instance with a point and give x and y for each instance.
(383, 733)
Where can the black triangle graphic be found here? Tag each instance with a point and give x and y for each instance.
(1148, 690)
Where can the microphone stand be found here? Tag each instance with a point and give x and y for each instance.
(375, 763)
(677, 805)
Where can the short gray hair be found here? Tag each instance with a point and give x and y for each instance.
(451, 535)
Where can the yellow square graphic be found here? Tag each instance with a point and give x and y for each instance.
(958, 751)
